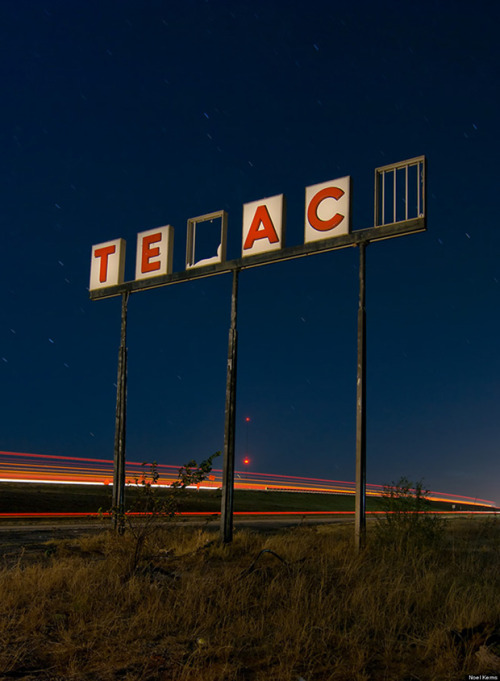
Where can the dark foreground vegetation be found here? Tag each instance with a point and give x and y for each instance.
(419, 603)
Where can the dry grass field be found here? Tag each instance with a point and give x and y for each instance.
(280, 606)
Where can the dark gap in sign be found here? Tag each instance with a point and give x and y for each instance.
(413, 192)
(207, 239)
(400, 204)
(388, 197)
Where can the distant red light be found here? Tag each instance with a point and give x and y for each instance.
(247, 419)
(246, 460)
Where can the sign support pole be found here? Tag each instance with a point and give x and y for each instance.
(120, 424)
(360, 502)
(226, 528)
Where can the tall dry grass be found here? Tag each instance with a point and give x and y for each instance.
(274, 607)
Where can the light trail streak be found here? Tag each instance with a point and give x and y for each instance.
(216, 514)
(52, 469)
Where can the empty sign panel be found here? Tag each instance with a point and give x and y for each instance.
(400, 192)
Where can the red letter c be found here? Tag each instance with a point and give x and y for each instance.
(312, 210)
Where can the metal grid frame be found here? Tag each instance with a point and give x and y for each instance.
(381, 176)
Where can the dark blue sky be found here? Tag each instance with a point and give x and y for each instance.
(118, 117)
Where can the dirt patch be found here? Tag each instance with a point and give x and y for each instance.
(30, 544)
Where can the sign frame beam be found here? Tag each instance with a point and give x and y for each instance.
(287, 253)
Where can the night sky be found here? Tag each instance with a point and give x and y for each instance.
(118, 117)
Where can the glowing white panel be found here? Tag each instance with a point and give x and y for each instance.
(263, 225)
(107, 265)
(154, 252)
(328, 209)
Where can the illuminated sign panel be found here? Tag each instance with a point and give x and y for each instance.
(327, 216)
(107, 266)
(327, 209)
(154, 252)
(263, 225)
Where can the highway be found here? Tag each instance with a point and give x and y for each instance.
(45, 468)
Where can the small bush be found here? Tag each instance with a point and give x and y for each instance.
(153, 507)
(407, 518)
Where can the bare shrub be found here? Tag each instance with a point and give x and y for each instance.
(407, 519)
(153, 507)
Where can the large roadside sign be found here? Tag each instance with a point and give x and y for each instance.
(399, 210)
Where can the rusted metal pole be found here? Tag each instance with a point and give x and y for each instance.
(120, 424)
(360, 502)
(226, 528)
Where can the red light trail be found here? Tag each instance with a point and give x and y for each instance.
(46, 468)
(216, 514)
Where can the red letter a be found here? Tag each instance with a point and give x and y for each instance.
(263, 218)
